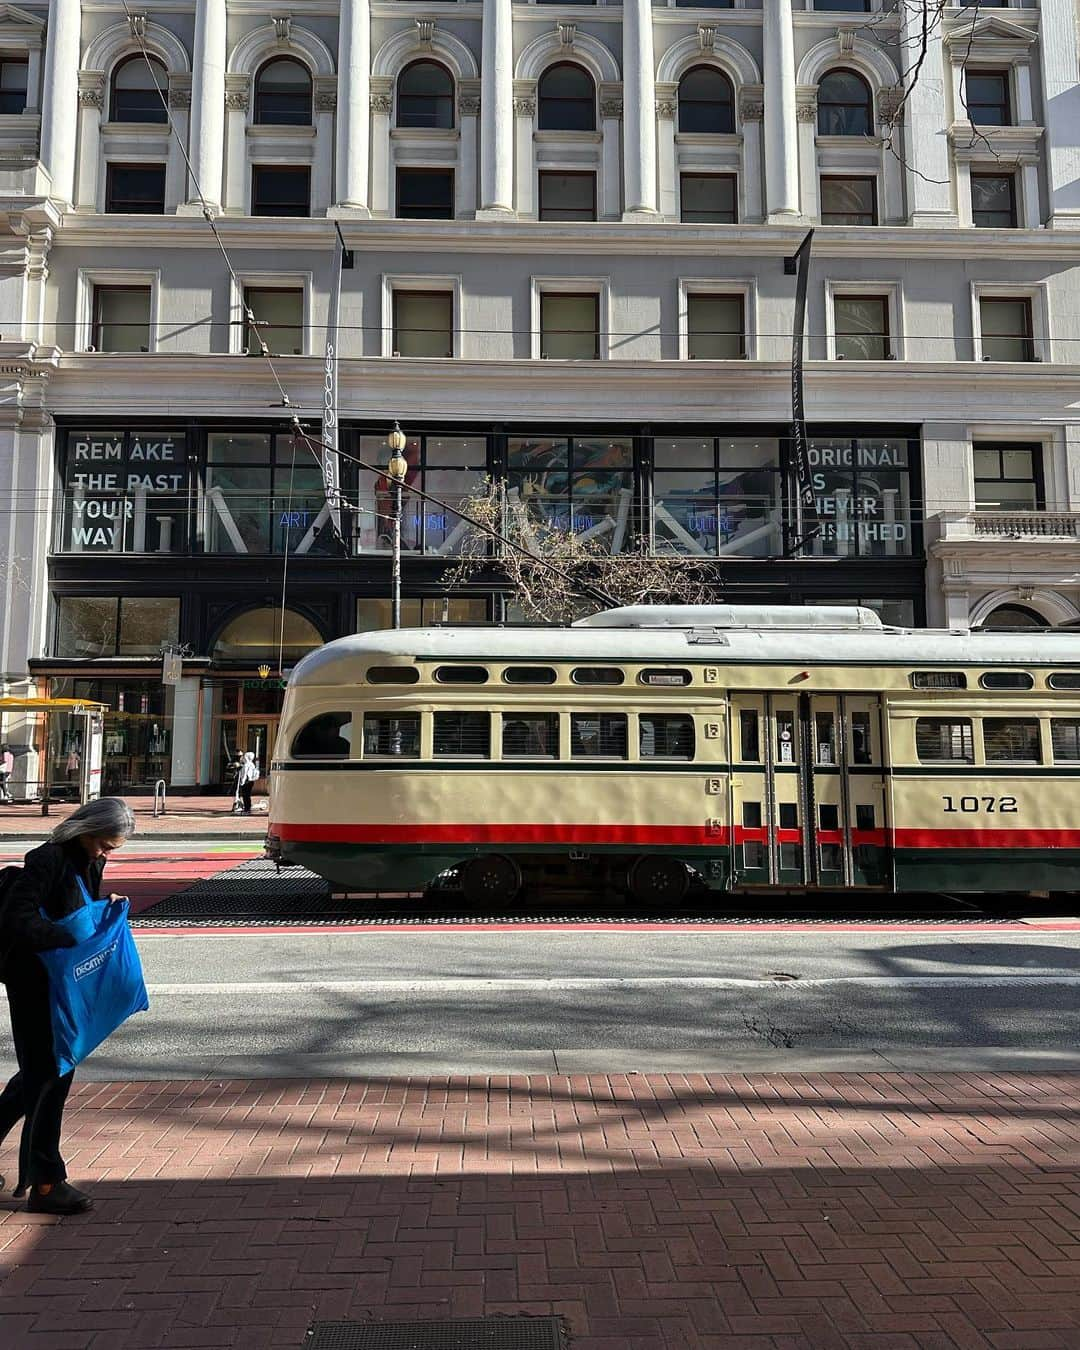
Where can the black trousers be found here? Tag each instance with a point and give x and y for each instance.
(245, 797)
(37, 1093)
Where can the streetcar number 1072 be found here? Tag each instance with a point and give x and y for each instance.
(971, 805)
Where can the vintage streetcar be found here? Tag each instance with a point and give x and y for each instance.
(657, 748)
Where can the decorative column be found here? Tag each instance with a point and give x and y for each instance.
(781, 145)
(890, 111)
(207, 107)
(60, 101)
(497, 109)
(806, 121)
(234, 196)
(354, 111)
(381, 100)
(609, 205)
(927, 167)
(524, 126)
(325, 102)
(639, 118)
(751, 116)
(91, 103)
(665, 105)
(175, 168)
(1060, 60)
(468, 112)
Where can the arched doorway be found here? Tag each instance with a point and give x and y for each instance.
(1014, 616)
(245, 703)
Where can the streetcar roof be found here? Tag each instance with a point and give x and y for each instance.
(344, 660)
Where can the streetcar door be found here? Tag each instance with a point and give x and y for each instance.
(846, 790)
(788, 759)
(751, 797)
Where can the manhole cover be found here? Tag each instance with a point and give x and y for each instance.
(474, 1333)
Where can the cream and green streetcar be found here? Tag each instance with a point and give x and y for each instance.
(652, 748)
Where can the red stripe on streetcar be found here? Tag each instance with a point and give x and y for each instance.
(698, 835)
(986, 838)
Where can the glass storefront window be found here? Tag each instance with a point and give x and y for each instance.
(449, 467)
(717, 496)
(137, 747)
(259, 635)
(124, 492)
(373, 613)
(263, 493)
(862, 496)
(584, 484)
(91, 626)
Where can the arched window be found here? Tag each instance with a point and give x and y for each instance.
(1014, 616)
(425, 96)
(845, 105)
(283, 93)
(566, 99)
(132, 95)
(706, 101)
(258, 634)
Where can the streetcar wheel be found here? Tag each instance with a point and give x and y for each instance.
(655, 880)
(494, 878)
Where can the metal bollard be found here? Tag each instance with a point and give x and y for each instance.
(159, 792)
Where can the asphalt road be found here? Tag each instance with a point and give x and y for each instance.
(355, 1002)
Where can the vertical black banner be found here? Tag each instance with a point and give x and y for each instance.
(797, 530)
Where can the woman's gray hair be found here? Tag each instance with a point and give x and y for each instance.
(106, 817)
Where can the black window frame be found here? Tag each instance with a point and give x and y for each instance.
(302, 104)
(678, 722)
(409, 107)
(134, 205)
(827, 217)
(1000, 481)
(13, 101)
(295, 750)
(884, 337)
(253, 290)
(1002, 106)
(396, 328)
(1011, 222)
(434, 209)
(693, 217)
(828, 107)
(549, 106)
(555, 213)
(98, 295)
(153, 96)
(1027, 338)
(695, 107)
(262, 205)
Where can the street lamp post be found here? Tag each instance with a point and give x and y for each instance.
(396, 469)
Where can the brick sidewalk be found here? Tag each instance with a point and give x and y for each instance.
(769, 1212)
(194, 816)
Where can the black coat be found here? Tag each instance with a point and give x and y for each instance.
(48, 881)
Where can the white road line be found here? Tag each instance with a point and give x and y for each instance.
(279, 987)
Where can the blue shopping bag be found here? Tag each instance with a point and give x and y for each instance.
(95, 986)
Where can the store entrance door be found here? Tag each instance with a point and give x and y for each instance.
(257, 735)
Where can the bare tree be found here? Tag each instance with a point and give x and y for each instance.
(555, 574)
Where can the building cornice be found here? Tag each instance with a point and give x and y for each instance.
(523, 236)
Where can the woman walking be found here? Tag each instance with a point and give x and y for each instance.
(249, 773)
(57, 879)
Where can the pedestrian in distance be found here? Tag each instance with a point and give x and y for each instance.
(7, 768)
(249, 773)
(55, 881)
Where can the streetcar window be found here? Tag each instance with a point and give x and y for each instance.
(865, 816)
(529, 675)
(751, 815)
(666, 736)
(790, 857)
(598, 735)
(462, 735)
(938, 679)
(597, 675)
(785, 738)
(1064, 679)
(862, 741)
(748, 735)
(1006, 679)
(531, 736)
(1005, 739)
(825, 738)
(1065, 737)
(461, 674)
(665, 677)
(753, 855)
(828, 816)
(943, 738)
(832, 857)
(328, 736)
(395, 735)
(789, 816)
(392, 675)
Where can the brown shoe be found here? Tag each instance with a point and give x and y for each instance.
(62, 1199)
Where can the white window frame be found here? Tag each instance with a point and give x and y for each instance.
(892, 292)
(24, 35)
(746, 288)
(1038, 292)
(394, 281)
(599, 286)
(280, 281)
(91, 277)
(837, 170)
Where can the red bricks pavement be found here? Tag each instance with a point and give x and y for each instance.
(197, 817)
(767, 1212)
